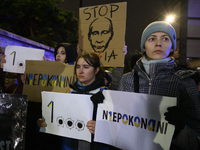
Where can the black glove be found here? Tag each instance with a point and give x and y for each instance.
(97, 98)
(177, 117)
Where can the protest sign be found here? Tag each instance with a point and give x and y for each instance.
(46, 76)
(13, 112)
(102, 31)
(67, 114)
(16, 56)
(134, 121)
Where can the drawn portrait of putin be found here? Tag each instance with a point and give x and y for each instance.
(100, 35)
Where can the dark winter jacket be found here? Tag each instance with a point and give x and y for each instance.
(165, 80)
(15, 88)
(2, 79)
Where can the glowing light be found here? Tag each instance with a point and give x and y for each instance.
(170, 18)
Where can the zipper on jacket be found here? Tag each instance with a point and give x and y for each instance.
(150, 79)
(147, 78)
(149, 86)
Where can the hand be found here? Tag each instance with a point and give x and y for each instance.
(44, 58)
(97, 98)
(41, 123)
(3, 60)
(23, 78)
(78, 49)
(177, 117)
(125, 49)
(91, 126)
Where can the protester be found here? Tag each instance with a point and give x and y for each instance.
(90, 80)
(112, 79)
(17, 88)
(136, 55)
(2, 74)
(118, 72)
(17, 80)
(108, 78)
(155, 73)
(65, 53)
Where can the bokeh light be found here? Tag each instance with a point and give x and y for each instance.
(170, 18)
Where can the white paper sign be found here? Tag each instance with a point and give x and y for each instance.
(136, 121)
(67, 114)
(16, 56)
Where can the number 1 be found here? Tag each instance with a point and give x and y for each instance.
(13, 53)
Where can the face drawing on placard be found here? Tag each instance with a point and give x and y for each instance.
(100, 35)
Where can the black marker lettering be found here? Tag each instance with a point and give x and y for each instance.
(103, 11)
(112, 55)
(94, 11)
(87, 13)
(113, 9)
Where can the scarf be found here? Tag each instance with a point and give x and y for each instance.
(146, 62)
(82, 87)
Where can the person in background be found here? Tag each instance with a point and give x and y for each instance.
(65, 53)
(108, 78)
(32, 109)
(118, 72)
(134, 58)
(15, 87)
(155, 73)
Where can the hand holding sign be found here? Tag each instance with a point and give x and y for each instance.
(41, 123)
(3, 60)
(177, 117)
(91, 126)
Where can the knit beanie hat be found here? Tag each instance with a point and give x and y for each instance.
(159, 26)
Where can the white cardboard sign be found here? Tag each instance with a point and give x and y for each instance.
(130, 120)
(16, 56)
(67, 114)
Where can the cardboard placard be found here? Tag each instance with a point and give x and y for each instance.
(46, 76)
(102, 30)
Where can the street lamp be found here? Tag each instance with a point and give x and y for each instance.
(170, 18)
